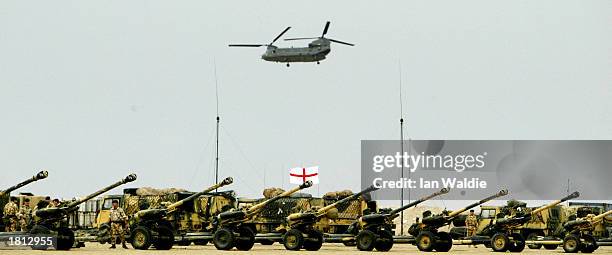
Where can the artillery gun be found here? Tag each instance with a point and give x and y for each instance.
(53, 220)
(301, 231)
(428, 237)
(39, 176)
(577, 236)
(150, 227)
(503, 234)
(232, 229)
(376, 230)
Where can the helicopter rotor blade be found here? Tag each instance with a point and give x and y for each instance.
(341, 42)
(301, 38)
(325, 29)
(281, 34)
(247, 45)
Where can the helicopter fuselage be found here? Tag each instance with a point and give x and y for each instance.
(316, 51)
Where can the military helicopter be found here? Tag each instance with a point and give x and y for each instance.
(315, 52)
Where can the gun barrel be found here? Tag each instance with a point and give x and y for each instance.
(256, 208)
(501, 193)
(601, 216)
(39, 176)
(346, 199)
(545, 207)
(420, 200)
(129, 178)
(226, 181)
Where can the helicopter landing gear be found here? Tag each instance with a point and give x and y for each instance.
(318, 63)
(287, 64)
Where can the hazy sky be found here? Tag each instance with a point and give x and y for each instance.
(93, 90)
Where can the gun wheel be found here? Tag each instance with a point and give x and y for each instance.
(425, 241)
(293, 240)
(571, 244)
(245, 240)
(39, 230)
(444, 242)
(223, 239)
(365, 240)
(499, 242)
(533, 237)
(589, 244)
(141, 238)
(384, 242)
(165, 239)
(65, 239)
(517, 244)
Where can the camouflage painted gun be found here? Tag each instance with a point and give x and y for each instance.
(232, 229)
(39, 176)
(428, 237)
(300, 226)
(149, 226)
(577, 234)
(53, 219)
(502, 232)
(376, 230)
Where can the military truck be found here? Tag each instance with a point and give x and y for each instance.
(54, 220)
(153, 227)
(5, 194)
(504, 233)
(376, 230)
(300, 229)
(232, 229)
(578, 234)
(428, 238)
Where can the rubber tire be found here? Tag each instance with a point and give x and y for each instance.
(224, 239)
(349, 243)
(183, 243)
(103, 234)
(500, 242)
(534, 236)
(293, 240)
(165, 240)
(572, 244)
(144, 234)
(589, 245)
(551, 247)
(517, 244)
(246, 240)
(65, 239)
(365, 240)
(384, 242)
(39, 230)
(311, 245)
(444, 242)
(266, 242)
(425, 241)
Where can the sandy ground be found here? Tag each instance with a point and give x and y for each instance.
(328, 248)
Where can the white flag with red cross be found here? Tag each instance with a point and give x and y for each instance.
(300, 175)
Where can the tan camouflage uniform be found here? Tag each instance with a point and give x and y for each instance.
(10, 213)
(24, 217)
(471, 222)
(117, 218)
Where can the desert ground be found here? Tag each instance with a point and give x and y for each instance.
(95, 248)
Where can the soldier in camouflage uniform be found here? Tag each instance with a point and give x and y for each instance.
(10, 215)
(24, 214)
(118, 219)
(471, 222)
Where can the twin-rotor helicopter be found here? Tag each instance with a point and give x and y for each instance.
(316, 51)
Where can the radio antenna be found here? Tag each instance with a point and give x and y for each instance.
(217, 129)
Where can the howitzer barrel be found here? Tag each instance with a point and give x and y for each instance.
(39, 176)
(346, 199)
(601, 216)
(420, 200)
(545, 207)
(129, 178)
(256, 208)
(501, 193)
(226, 181)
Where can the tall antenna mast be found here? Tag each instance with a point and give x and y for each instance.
(401, 146)
(217, 130)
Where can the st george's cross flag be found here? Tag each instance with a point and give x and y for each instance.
(300, 175)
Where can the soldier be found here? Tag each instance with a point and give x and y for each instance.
(54, 204)
(118, 220)
(24, 214)
(471, 222)
(10, 215)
